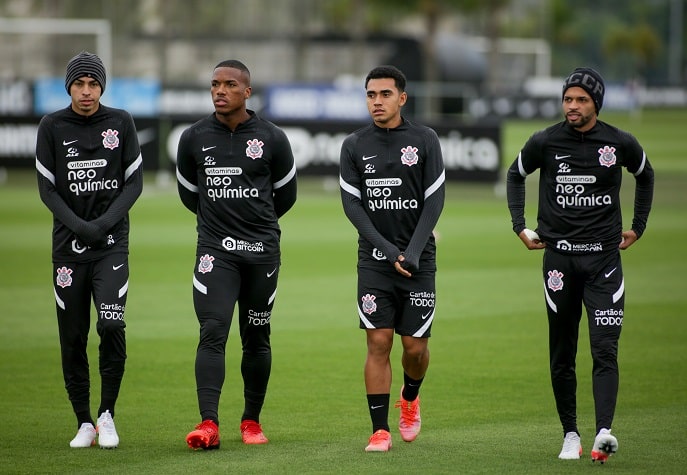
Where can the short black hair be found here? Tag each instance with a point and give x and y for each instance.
(236, 64)
(388, 71)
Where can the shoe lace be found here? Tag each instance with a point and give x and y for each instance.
(106, 424)
(206, 426)
(408, 411)
(379, 436)
(251, 427)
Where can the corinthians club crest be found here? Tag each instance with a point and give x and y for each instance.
(110, 139)
(254, 149)
(205, 264)
(64, 277)
(607, 156)
(409, 155)
(369, 305)
(555, 280)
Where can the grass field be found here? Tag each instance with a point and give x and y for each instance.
(487, 402)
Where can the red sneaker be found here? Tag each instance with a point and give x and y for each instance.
(409, 421)
(206, 436)
(251, 433)
(380, 441)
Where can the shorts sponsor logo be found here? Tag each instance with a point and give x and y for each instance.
(205, 264)
(422, 299)
(555, 280)
(368, 303)
(117, 267)
(64, 277)
(112, 311)
(259, 318)
(608, 318)
(270, 274)
(608, 274)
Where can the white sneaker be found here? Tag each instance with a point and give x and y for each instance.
(107, 434)
(85, 437)
(605, 445)
(572, 447)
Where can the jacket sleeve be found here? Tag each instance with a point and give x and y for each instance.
(434, 195)
(644, 186)
(87, 233)
(187, 175)
(284, 184)
(349, 181)
(525, 163)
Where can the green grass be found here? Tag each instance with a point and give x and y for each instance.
(487, 402)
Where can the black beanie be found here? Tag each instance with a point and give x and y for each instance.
(589, 80)
(85, 64)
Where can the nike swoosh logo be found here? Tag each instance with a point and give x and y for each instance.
(65, 143)
(561, 157)
(376, 407)
(205, 149)
(424, 317)
(270, 274)
(117, 267)
(367, 158)
(608, 274)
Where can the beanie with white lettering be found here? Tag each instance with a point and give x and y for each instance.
(85, 64)
(589, 80)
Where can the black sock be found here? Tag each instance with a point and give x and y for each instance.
(378, 404)
(411, 387)
(83, 417)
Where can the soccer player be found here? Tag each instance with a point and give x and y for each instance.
(392, 190)
(236, 172)
(580, 228)
(88, 163)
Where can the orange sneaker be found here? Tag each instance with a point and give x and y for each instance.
(380, 441)
(251, 433)
(206, 436)
(409, 422)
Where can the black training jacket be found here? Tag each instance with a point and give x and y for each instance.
(238, 183)
(89, 175)
(579, 186)
(392, 190)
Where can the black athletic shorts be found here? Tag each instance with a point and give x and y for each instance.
(386, 299)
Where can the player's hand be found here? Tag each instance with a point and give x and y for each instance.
(628, 239)
(531, 239)
(399, 267)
